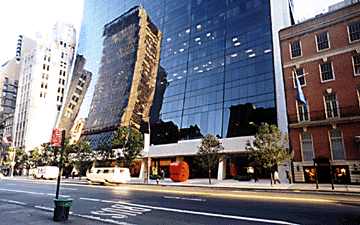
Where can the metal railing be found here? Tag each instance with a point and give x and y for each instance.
(344, 112)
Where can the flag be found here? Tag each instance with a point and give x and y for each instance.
(6, 140)
(300, 94)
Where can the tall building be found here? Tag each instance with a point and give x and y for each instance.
(9, 81)
(127, 76)
(323, 54)
(45, 76)
(218, 59)
(79, 84)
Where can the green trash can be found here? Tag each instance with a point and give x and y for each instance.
(62, 208)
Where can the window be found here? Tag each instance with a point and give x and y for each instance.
(5, 87)
(326, 72)
(337, 145)
(322, 41)
(356, 64)
(47, 76)
(331, 105)
(43, 76)
(295, 49)
(301, 76)
(354, 31)
(48, 67)
(4, 94)
(49, 59)
(303, 112)
(358, 93)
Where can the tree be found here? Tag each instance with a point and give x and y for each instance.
(103, 153)
(208, 155)
(269, 147)
(35, 158)
(83, 156)
(131, 142)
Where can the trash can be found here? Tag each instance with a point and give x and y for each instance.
(62, 208)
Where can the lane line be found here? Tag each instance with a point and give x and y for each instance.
(103, 220)
(190, 199)
(91, 199)
(204, 213)
(31, 192)
(11, 201)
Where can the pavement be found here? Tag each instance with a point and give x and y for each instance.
(13, 213)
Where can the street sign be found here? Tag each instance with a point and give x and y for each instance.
(56, 137)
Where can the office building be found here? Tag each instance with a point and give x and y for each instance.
(45, 76)
(79, 84)
(324, 127)
(219, 61)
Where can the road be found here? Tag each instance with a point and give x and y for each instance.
(142, 204)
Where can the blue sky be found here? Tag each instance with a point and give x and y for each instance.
(29, 16)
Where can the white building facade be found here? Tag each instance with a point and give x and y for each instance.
(45, 76)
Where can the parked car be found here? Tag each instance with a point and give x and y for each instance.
(108, 175)
(47, 172)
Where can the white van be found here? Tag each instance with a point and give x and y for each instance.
(108, 175)
(47, 172)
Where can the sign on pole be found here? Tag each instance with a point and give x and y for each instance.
(11, 155)
(56, 137)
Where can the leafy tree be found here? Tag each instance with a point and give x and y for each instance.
(82, 159)
(103, 153)
(208, 155)
(48, 154)
(35, 158)
(269, 147)
(131, 141)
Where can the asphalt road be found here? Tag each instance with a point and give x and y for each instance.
(141, 204)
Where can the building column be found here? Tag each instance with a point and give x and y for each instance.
(143, 168)
(222, 169)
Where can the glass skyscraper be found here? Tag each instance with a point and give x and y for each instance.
(219, 71)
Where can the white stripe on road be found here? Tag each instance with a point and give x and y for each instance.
(190, 199)
(34, 193)
(203, 213)
(11, 201)
(103, 220)
(90, 199)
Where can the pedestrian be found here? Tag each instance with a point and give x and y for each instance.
(162, 174)
(288, 176)
(145, 178)
(276, 177)
(255, 177)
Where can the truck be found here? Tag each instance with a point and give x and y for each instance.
(46, 172)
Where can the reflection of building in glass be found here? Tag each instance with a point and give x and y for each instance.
(244, 119)
(217, 55)
(78, 86)
(128, 75)
(45, 77)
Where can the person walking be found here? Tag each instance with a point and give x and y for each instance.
(276, 177)
(162, 174)
(288, 176)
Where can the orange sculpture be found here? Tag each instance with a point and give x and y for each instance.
(179, 171)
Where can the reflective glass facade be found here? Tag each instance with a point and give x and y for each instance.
(216, 73)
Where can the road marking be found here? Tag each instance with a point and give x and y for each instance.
(112, 213)
(103, 220)
(34, 193)
(11, 201)
(190, 199)
(90, 199)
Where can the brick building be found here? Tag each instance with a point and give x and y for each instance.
(324, 54)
